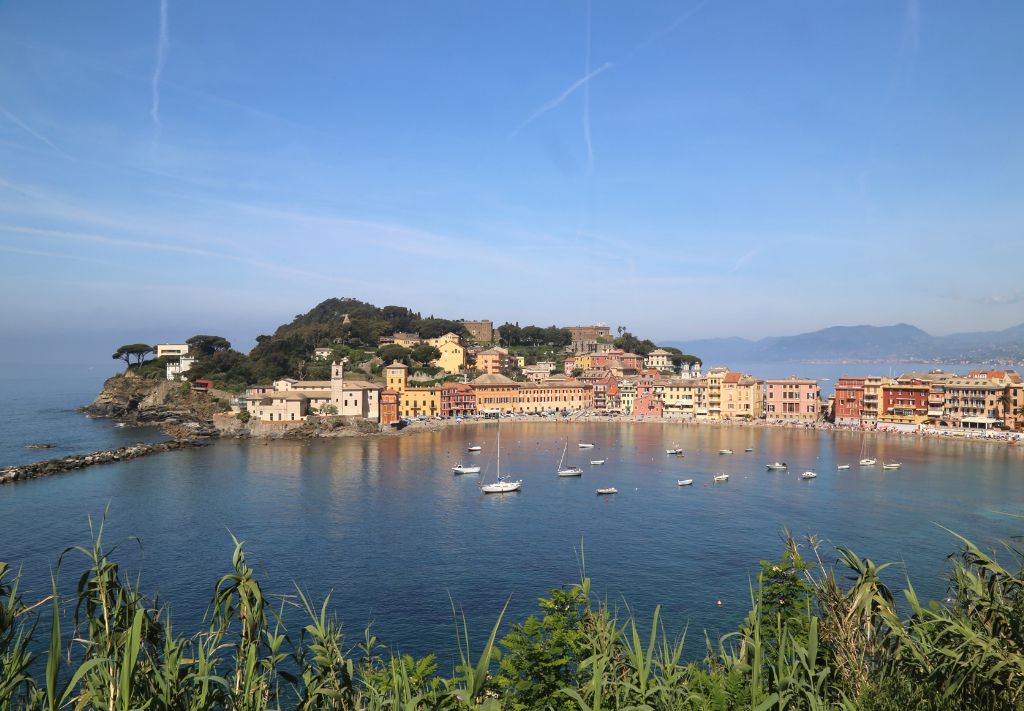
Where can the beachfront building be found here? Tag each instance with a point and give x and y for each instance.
(420, 402)
(904, 404)
(389, 407)
(683, 397)
(658, 359)
(982, 400)
(627, 396)
(492, 361)
(849, 401)
(792, 399)
(554, 395)
(457, 400)
(495, 393)
(742, 396)
(291, 400)
(873, 399)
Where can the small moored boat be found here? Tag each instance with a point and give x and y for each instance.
(674, 450)
(842, 467)
(607, 490)
(749, 449)
(571, 470)
(586, 445)
(725, 451)
(597, 461)
(465, 469)
(892, 465)
(684, 482)
(868, 462)
(808, 475)
(776, 466)
(501, 484)
(473, 448)
(721, 477)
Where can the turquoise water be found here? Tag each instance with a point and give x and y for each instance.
(384, 524)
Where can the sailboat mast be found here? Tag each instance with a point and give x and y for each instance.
(499, 445)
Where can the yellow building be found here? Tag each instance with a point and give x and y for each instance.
(396, 376)
(453, 353)
(682, 397)
(406, 340)
(417, 402)
(742, 396)
(627, 396)
(715, 378)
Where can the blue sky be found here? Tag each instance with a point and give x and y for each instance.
(685, 169)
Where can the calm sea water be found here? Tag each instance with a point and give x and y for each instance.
(384, 525)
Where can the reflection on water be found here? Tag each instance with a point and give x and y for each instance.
(384, 524)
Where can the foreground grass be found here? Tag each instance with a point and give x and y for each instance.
(816, 637)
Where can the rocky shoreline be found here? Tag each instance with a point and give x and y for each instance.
(72, 462)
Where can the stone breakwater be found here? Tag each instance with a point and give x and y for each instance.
(79, 461)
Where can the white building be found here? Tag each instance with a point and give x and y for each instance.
(177, 367)
(322, 353)
(658, 360)
(291, 400)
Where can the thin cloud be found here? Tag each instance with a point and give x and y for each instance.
(912, 26)
(1004, 298)
(161, 59)
(31, 131)
(50, 255)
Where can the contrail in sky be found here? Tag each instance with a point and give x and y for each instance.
(582, 81)
(586, 103)
(161, 59)
(31, 131)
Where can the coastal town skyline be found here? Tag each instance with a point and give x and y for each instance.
(688, 172)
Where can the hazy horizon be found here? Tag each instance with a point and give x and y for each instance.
(687, 171)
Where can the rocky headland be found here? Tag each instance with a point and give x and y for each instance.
(168, 404)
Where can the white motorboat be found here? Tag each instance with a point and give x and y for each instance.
(473, 448)
(684, 482)
(607, 490)
(586, 445)
(721, 477)
(595, 462)
(465, 469)
(776, 466)
(563, 470)
(749, 449)
(674, 450)
(808, 475)
(843, 467)
(868, 462)
(725, 451)
(892, 465)
(501, 484)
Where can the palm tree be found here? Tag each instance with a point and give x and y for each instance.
(1005, 403)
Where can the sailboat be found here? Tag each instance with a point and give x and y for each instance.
(564, 470)
(865, 461)
(501, 485)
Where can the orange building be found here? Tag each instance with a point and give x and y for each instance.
(492, 361)
(388, 407)
(495, 393)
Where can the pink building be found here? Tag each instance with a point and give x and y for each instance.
(795, 399)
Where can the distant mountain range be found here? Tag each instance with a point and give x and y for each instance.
(879, 344)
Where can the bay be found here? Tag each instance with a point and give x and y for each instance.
(383, 525)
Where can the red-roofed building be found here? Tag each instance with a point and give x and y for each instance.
(457, 400)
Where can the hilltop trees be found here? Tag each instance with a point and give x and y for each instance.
(207, 345)
(512, 335)
(138, 351)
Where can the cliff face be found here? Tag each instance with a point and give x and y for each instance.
(171, 405)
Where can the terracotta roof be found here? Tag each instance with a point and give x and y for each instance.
(493, 379)
(732, 377)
